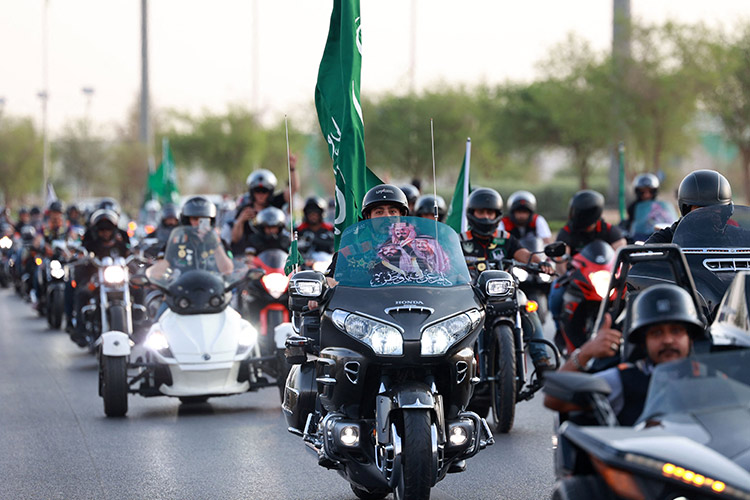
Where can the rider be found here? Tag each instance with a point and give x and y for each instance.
(484, 240)
(105, 240)
(36, 218)
(664, 323)
(170, 218)
(701, 188)
(645, 187)
(523, 218)
(314, 234)
(54, 229)
(412, 193)
(271, 233)
(425, 207)
(24, 219)
(260, 194)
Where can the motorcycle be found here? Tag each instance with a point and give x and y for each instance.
(200, 347)
(715, 241)
(384, 400)
(690, 440)
(650, 216)
(111, 309)
(586, 284)
(535, 285)
(6, 251)
(53, 277)
(501, 346)
(264, 302)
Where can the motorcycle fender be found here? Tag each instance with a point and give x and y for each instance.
(115, 343)
(281, 333)
(408, 396)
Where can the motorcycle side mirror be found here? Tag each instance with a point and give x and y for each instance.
(305, 286)
(255, 274)
(576, 388)
(555, 249)
(139, 280)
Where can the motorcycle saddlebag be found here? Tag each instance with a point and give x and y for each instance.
(299, 395)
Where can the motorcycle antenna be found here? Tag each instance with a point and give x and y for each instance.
(434, 181)
(295, 253)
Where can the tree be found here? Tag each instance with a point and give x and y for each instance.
(84, 159)
(21, 158)
(729, 99)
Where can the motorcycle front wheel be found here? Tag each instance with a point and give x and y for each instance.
(55, 309)
(503, 385)
(114, 385)
(416, 456)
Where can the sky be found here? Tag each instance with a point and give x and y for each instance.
(201, 52)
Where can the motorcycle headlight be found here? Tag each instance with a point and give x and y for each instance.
(521, 274)
(321, 267)
(436, 339)
(247, 338)
(383, 339)
(275, 284)
(156, 341)
(499, 287)
(56, 270)
(600, 280)
(114, 275)
(546, 278)
(5, 243)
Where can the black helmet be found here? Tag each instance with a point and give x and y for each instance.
(315, 203)
(270, 217)
(23, 211)
(381, 194)
(586, 208)
(521, 200)
(645, 181)
(109, 203)
(489, 199)
(28, 233)
(56, 206)
(34, 211)
(666, 303)
(103, 218)
(72, 208)
(261, 179)
(169, 211)
(703, 188)
(411, 192)
(197, 206)
(425, 205)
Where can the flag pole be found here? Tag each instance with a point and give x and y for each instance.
(291, 192)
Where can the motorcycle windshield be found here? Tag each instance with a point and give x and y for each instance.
(698, 383)
(190, 249)
(394, 251)
(271, 259)
(716, 227)
(651, 215)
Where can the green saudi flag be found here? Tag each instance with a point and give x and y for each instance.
(340, 113)
(162, 183)
(456, 217)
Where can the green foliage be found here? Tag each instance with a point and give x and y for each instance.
(21, 158)
(83, 157)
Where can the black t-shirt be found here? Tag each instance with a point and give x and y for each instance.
(663, 235)
(579, 239)
(121, 247)
(499, 246)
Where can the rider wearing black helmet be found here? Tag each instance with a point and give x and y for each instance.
(425, 207)
(260, 194)
(486, 242)
(271, 233)
(412, 193)
(523, 218)
(24, 219)
(314, 234)
(701, 188)
(36, 218)
(169, 219)
(664, 323)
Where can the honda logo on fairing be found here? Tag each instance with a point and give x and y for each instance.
(409, 303)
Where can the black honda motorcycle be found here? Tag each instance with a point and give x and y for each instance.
(384, 401)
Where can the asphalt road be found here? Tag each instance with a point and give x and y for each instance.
(55, 441)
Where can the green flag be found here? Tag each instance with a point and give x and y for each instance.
(457, 212)
(340, 113)
(162, 183)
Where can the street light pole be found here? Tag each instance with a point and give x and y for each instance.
(89, 93)
(44, 96)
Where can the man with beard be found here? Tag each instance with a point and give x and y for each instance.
(663, 323)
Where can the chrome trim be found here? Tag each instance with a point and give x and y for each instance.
(462, 368)
(727, 265)
(352, 373)
(409, 308)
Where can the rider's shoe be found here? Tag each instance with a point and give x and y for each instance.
(458, 466)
